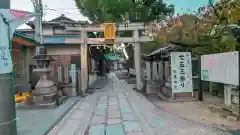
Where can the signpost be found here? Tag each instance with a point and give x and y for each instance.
(181, 72)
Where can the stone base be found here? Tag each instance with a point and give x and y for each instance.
(152, 87)
(45, 90)
(69, 91)
(165, 93)
(235, 108)
(36, 106)
(183, 95)
(29, 104)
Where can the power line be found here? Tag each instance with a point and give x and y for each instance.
(61, 11)
(63, 8)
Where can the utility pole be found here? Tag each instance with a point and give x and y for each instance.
(38, 22)
(7, 102)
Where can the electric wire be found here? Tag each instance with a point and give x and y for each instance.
(58, 11)
(61, 11)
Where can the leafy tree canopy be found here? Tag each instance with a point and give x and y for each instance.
(210, 27)
(99, 11)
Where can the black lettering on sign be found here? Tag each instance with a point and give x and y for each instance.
(174, 71)
(181, 57)
(182, 85)
(182, 78)
(182, 72)
(182, 64)
(3, 55)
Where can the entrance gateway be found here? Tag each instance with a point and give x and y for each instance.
(110, 37)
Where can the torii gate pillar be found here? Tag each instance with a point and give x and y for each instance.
(84, 63)
(137, 60)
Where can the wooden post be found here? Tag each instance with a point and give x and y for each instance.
(200, 89)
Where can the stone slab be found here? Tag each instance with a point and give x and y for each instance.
(125, 109)
(113, 108)
(131, 126)
(113, 98)
(114, 114)
(38, 122)
(78, 114)
(129, 117)
(100, 112)
(103, 97)
(114, 121)
(114, 129)
(135, 133)
(101, 106)
(69, 128)
(84, 106)
(113, 103)
(98, 120)
(96, 130)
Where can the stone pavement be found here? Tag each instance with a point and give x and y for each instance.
(117, 110)
(39, 121)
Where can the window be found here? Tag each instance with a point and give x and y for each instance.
(58, 30)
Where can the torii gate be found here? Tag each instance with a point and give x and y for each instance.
(110, 37)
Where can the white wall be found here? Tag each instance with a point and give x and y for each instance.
(47, 31)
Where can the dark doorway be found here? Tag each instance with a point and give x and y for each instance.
(76, 60)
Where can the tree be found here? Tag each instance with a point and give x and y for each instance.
(210, 30)
(219, 30)
(100, 11)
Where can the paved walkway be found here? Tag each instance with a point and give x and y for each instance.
(39, 121)
(117, 110)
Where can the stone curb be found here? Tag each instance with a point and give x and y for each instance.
(61, 117)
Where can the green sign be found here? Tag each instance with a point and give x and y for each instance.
(204, 75)
(73, 71)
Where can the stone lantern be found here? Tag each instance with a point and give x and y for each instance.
(46, 93)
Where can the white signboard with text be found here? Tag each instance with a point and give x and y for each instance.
(221, 68)
(181, 72)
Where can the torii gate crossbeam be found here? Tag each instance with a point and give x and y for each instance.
(136, 39)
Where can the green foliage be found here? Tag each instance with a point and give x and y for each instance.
(149, 47)
(212, 31)
(122, 10)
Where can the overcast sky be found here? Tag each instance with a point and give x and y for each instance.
(54, 8)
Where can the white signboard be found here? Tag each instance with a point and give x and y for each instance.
(181, 71)
(221, 68)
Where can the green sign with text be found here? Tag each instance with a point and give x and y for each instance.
(204, 75)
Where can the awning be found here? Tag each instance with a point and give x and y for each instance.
(21, 39)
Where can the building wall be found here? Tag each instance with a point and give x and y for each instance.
(63, 54)
(63, 49)
(22, 58)
(47, 31)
